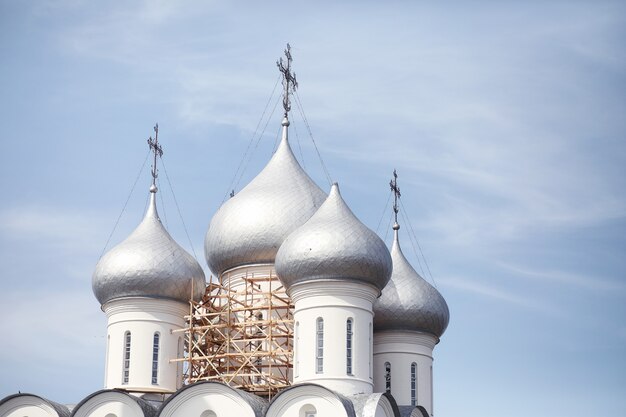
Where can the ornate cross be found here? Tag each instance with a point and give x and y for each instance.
(156, 148)
(288, 78)
(396, 194)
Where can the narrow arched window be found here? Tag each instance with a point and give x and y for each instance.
(319, 346)
(388, 377)
(155, 358)
(432, 402)
(296, 348)
(413, 384)
(126, 369)
(349, 346)
(369, 354)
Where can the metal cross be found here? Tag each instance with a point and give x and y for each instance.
(288, 78)
(396, 193)
(156, 148)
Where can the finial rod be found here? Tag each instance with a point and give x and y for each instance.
(396, 194)
(157, 150)
(289, 78)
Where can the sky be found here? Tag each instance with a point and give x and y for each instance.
(504, 120)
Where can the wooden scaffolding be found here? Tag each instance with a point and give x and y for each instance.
(241, 334)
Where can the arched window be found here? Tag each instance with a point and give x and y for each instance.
(126, 369)
(155, 358)
(208, 413)
(179, 365)
(106, 361)
(413, 384)
(369, 354)
(349, 346)
(319, 346)
(387, 377)
(432, 402)
(295, 350)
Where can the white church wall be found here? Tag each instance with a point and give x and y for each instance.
(27, 405)
(334, 303)
(110, 404)
(306, 400)
(210, 399)
(401, 349)
(142, 318)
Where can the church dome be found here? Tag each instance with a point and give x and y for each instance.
(149, 263)
(250, 227)
(333, 245)
(408, 302)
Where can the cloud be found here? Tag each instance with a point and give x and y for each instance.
(66, 229)
(588, 282)
(498, 294)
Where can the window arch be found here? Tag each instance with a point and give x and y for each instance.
(126, 365)
(319, 346)
(307, 410)
(208, 413)
(155, 357)
(349, 345)
(413, 384)
(387, 377)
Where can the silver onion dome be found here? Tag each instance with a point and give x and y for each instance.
(408, 302)
(250, 227)
(149, 263)
(333, 245)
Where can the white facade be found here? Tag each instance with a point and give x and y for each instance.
(27, 405)
(321, 352)
(404, 360)
(134, 362)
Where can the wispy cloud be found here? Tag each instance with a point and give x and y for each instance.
(499, 294)
(64, 228)
(593, 282)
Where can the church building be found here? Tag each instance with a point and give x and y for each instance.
(309, 313)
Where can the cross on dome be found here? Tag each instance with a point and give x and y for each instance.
(156, 149)
(396, 194)
(288, 78)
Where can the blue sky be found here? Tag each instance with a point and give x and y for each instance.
(505, 121)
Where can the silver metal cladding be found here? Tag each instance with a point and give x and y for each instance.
(333, 245)
(409, 302)
(148, 263)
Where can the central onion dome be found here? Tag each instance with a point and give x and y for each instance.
(149, 263)
(408, 302)
(333, 245)
(250, 227)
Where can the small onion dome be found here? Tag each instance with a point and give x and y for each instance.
(149, 263)
(250, 227)
(408, 302)
(333, 245)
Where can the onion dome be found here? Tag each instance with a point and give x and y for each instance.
(408, 302)
(250, 227)
(333, 245)
(149, 263)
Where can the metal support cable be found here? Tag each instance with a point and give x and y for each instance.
(243, 170)
(243, 158)
(432, 278)
(295, 130)
(306, 123)
(125, 204)
(179, 212)
(383, 213)
(162, 202)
